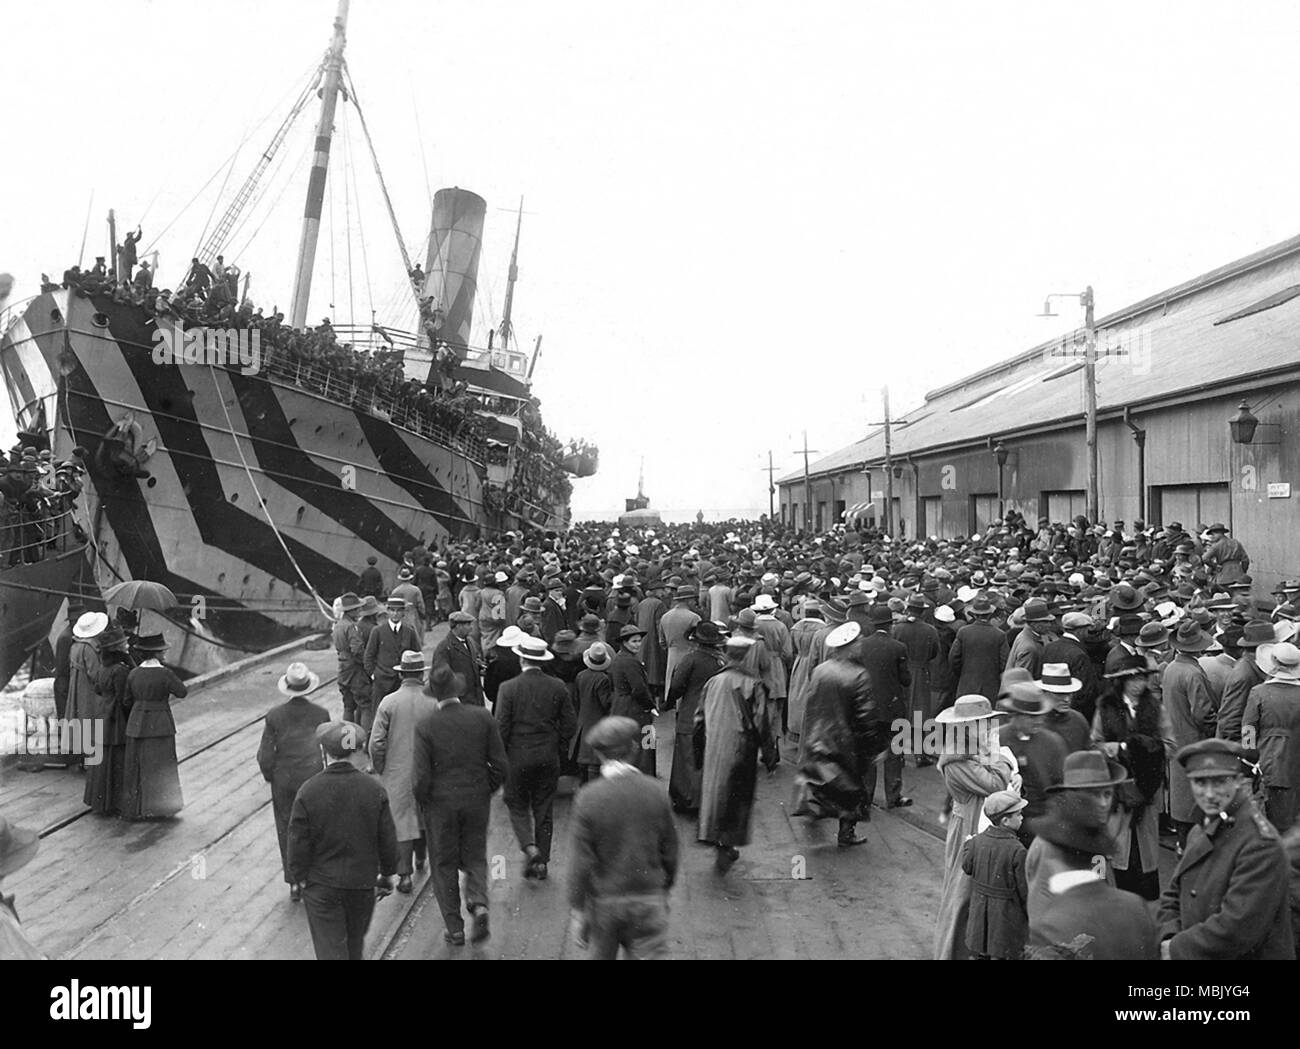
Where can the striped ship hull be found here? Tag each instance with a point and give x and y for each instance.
(335, 483)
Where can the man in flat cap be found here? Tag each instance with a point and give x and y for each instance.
(459, 651)
(625, 852)
(1228, 897)
(341, 838)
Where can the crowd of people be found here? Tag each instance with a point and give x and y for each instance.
(35, 494)
(1085, 707)
(441, 408)
(1077, 676)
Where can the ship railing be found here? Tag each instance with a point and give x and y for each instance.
(378, 399)
(27, 538)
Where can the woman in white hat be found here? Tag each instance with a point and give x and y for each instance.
(973, 766)
(1273, 717)
(85, 667)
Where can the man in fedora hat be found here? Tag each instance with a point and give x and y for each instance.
(1040, 753)
(341, 838)
(1073, 913)
(409, 592)
(1071, 649)
(921, 639)
(1244, 676)
(18, 847)
(684, 693)
(1027, 648)
(459, 651)
(1228, 897)
(384, 648)
(625, 852)
(1272, 721)
(885, 660)
(1062, 687)
(536, 719)
(840, 739)
(350, 649)
(460, 762)
(392, 753)
(1190, 705)
(289, 754)
(649, 611)
(674, 626)
(979, 652)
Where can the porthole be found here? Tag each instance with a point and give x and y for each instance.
(234, 497)
(99, 320)
(151, 482)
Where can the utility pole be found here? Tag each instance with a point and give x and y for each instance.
(771, 487)
(888, 515)
(1090, 401)
(807, 482)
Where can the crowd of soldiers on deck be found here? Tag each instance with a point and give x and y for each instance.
(35, 492)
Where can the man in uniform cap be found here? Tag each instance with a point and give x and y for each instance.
(1228, 897)
(625, 852)
(341, 838)
(350, 649)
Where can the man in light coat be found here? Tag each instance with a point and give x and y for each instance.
(1027, 649)
(1190, 706)
(675, 624)
(392, 754)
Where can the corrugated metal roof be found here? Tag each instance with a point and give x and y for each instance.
(1172, 342)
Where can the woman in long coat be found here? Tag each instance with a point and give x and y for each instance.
(392, 754)
(595, 699)
(684, 693)
(801, 673)
(632, 698)
(153, 782)
(973, 767)
(105, 783)
(734, 714)
(84, 667)
(1141, 739)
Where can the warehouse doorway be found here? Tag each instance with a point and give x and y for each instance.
(983, 511)
(1063, 507)
(1193, 504)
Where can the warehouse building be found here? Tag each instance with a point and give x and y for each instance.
(1174, 443)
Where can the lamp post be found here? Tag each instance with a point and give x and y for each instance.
(1242, 426)
(1089, 386)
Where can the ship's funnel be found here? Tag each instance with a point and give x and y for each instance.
(452, 265)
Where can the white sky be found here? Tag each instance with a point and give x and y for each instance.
(745, 217)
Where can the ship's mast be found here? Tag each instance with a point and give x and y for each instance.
(513, 275)
(319, 170)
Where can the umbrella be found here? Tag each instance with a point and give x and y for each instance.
(137, 594)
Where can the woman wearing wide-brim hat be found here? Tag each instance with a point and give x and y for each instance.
(105, 781)
(1273, 717)
(973, 766)
(84, 667)
(1190, 703)
(632, 696)
(152, 775)
(1131, 727)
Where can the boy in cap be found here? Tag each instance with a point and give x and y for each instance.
(998, 924)
(1228, 897)
(625, 852)
(341, 837)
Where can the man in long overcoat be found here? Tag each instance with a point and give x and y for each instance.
(1228, 898)
(922, 643)
(684, 692)
(392, 755)
(801, 638)
(1272, 720)
(384, 648)
(350, 650)
(1027, 649)
(289, 754)
(649, 610)
(886, 663)
(1243, 677)
(459, 651)
(840, 739)
(979, 653)
(1070, 650)
(1190, 707)
(674, 625)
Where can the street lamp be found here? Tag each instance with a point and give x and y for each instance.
(1242, 425)
(1089, 387)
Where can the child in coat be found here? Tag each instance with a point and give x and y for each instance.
(995, 859)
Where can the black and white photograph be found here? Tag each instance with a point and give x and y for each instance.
(485, 480)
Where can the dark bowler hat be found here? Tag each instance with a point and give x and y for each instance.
(917, 603)
(445, 683)
(1127, 626)
(533, 605)
(879, 615)
(1215, 757)
(1130, 665)
(589, 624)
(613, 735)
(1089, 770)
(564, 641)
(372, 560)
(150, 643)
(340, 738)
(706, 632)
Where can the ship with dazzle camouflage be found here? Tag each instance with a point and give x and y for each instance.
(256, 493)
